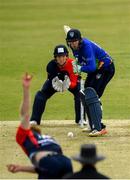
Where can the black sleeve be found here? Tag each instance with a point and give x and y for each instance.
(52, 69)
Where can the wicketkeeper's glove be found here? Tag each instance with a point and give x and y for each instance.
(76, 67)
(66, 83)
(57, 84)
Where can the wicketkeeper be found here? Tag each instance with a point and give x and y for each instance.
(96, 62)
(60, 77)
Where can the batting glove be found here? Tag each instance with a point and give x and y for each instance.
(66, 83)
(76, 67)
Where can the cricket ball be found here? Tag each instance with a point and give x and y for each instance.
(70, 134)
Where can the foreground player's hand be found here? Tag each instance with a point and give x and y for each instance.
(13, 168)
(27, 80)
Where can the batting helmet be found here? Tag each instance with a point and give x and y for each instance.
(73, 35)
(60, 50)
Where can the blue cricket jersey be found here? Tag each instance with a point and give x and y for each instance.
(89, 55)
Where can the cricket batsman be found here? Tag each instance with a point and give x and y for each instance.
(96, 62)
(60, 77)
(43, 151)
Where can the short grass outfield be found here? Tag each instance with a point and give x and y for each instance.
(29, 31)
(115, 146)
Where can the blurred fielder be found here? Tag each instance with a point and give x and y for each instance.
(93, 60)
(44, 152)
(60, 78)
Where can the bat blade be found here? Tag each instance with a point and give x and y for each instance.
(66, 29)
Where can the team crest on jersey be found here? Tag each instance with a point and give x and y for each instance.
(72, 34)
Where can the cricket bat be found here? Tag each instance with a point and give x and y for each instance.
(66, 29)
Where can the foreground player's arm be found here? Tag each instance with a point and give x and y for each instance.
(26, 101)
(14, 168)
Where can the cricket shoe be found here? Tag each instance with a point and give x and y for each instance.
(33, 122)
(96, 133)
